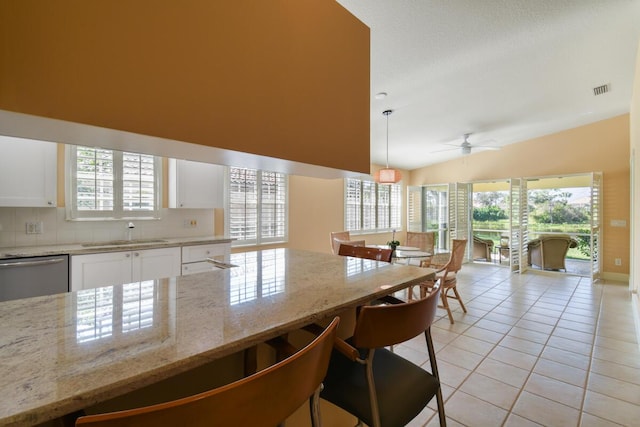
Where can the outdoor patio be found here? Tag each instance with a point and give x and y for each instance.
(574, 266)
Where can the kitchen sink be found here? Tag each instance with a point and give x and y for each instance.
(123, 242)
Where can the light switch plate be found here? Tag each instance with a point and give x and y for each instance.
(618, 223)
(34, 227)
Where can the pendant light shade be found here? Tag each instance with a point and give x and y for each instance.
(387, 175)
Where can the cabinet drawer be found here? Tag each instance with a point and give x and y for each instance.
(197, 253)
(197, 267)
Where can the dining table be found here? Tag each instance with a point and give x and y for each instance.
(405, 253)
(62, 353)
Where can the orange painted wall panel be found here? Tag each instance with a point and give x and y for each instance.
(280, 78)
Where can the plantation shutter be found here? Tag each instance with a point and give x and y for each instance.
(243, 204)
(369, 201)
(414, 209)
(383, 205)
(138, 182)
(353, 200)
(459, 212)
(95, 178)
(257, 206)
(519, 222)
(273, 206)
(370, 207)
(596, 224)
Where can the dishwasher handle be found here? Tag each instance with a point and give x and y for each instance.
(32, 263)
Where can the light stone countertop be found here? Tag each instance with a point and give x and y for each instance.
(54, 359)
(113, 246)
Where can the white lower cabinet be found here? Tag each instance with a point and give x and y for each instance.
(110, 268)
(194, 257)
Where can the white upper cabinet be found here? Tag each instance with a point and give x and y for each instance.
(28, 171)
(195, 184)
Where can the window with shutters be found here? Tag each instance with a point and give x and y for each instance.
(428, 210)
(371, 207)
(257, 207)
(109, 184)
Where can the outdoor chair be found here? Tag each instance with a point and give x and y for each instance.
(549, 251)
(482, 248)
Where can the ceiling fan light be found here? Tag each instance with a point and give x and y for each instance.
(387, 176)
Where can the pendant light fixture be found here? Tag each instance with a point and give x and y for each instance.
(387, 175)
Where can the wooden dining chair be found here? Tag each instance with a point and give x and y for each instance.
(379, 254)
(337, 237)
(265, 398)
(447, 277)
(378, 386)
(424, 240)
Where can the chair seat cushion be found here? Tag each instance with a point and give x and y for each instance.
(451, 277)
(403, 388)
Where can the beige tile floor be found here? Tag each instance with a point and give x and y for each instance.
(535, 349)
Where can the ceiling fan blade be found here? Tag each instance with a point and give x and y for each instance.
(455, 147)
(486, 147)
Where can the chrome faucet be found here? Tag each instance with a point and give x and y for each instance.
(130, 228)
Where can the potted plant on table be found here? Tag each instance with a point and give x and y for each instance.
(393, 243)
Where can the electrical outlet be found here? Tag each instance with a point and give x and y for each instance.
(190, 223)
(618, 261)
(34, 227)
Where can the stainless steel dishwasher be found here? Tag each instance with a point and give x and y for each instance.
(31, 277)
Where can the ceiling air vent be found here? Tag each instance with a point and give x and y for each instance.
(600, 90)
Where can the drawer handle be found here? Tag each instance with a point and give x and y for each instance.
(220, 264)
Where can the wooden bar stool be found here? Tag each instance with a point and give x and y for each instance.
(379, 387)
(265, 398)
(377, 254)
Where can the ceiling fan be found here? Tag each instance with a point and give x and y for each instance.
(465, 147)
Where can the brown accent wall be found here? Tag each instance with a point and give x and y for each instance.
(280, 78)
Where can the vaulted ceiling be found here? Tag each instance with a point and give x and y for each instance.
(504, 71)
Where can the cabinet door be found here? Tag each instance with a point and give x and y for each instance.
(195, 184)
(27, 172)
(156, 263)
(104, 269)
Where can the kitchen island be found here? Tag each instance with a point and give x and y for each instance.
(62, 353)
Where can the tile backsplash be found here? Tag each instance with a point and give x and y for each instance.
(57, 230)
